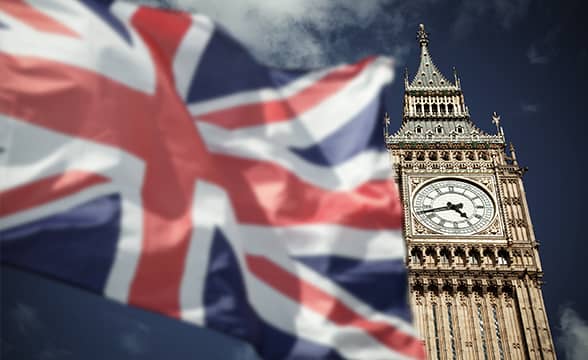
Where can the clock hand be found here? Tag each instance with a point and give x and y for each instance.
(457, 208)
(442, 208)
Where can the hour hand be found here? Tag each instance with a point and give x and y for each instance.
(457, 208)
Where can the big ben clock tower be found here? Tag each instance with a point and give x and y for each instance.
(474, 271)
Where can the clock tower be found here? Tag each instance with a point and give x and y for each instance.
(474, 271)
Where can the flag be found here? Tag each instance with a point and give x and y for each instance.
(148, 157)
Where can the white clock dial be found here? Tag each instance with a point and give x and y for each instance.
(453, 207)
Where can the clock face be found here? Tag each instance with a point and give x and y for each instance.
(453, 207)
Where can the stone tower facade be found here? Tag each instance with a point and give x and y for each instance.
(474, 271)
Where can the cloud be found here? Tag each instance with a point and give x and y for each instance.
(135, 342)
(504, 13)
(545, 47)
(529, 108)
(25, 318)
(52, 353)
(573, 337)
(307, 33)
(535, 58)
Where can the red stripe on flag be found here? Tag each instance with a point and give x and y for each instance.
(35, 18)
(265, 112)
(156, 128)
(266, 193)
(46, 190)
(163, 30)
(174, 162)
(312, 297)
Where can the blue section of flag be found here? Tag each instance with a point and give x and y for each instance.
(219, 75)
(225, 299)
(101, 8)
(361, 133)
(380, 283)
(228, 310)
(281, 345)
(76, 245)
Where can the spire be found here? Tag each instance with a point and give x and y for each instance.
(428, 76)
(422, 35)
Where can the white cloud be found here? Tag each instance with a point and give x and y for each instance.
(573, 337)
(302, 33)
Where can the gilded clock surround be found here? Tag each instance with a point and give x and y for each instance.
(475, 296)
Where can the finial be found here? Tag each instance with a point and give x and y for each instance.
(406, 77)
(422, 35)
(496, 120)
(513, 154)
(456, 78)
(386, 125)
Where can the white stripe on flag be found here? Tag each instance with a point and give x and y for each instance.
(365, 166)
(190, 52)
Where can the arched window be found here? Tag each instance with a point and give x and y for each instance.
(474, 257)
(450, 108)
(426, 109)
(442, 108)
(489, 257)
(431, 256)
(439, 129)
(434, 108)
(419, 109)
(459, 257)
(418, 129)
(502, 257)
(459, 129)
(444, 256)
(416, 256)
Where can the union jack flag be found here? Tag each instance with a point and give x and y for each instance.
(146, 156)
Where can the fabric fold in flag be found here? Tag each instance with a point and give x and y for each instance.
(149, 158)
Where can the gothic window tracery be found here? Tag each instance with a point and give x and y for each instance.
(436, 331)
(482, 332)
(497, 330)
(451, 333)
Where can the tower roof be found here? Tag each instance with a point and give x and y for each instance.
(428, 76)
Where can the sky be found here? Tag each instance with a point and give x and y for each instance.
(524, 59)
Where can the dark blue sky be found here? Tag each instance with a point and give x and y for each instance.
(525, 60)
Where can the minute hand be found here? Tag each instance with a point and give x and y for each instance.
(442, 208)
